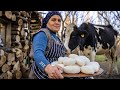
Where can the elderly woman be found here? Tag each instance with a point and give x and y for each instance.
(47, 48)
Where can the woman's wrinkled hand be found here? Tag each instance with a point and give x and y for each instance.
(54, 72)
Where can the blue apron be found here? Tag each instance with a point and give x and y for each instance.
(52, 54)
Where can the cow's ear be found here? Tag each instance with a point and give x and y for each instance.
(83, 34)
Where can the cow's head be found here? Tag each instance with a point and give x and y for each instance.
(73, 36)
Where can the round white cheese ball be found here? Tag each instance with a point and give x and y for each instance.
(61, 59)
(95, 65)
(87, 60)
(88, 69)
(73, 56)
(69, 61)
(72, 69)
(80, 61)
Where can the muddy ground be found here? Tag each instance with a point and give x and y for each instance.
(104, 66)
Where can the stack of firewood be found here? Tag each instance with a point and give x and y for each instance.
(35, 25)
(35, 22)
(14, 56)
(22, 44)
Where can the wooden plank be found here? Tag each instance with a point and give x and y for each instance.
(8, 35)
(35, 24)
(0, 13)
(2, 32)
(3, 60)
(15, 38)
(83, 75)
(16, 28)
(13, 17)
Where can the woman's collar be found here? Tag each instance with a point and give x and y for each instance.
(51, 31)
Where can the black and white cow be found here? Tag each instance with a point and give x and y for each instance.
(100, 40)
(72, 38)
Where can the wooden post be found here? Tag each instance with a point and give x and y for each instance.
(0, 13)
(2, 32)
(8, 35)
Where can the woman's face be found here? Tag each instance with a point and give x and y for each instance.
(54, 23)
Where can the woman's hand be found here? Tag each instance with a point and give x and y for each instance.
(54, 72)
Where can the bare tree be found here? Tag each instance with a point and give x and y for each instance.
(63, 24)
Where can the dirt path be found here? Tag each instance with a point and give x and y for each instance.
(104, 66)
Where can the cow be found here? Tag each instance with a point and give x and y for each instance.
(72, 35)
(96, 40)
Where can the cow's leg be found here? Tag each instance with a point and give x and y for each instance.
(115, 66)
(110, 66)
(92, 55)
(92, 58)
(110, 63)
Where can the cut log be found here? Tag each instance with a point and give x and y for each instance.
(27, 14)
(22, 42)
(15, 38)
(25, 25)
(13, 17)
(23, 18)
(13, 62)
(20, 22)
(15, 33)
(32, 25)
(6, 68)
(8, 14)
(26, 42)
(33, 21)
(26, 74)
(2, 53)
(9, 63)
(16, 12)
(18, 74)
(22, 32)
(16, 66)
(26, 47)
(26, 30)
(9, 75)
(18, 52)
(15, 44)
(8, 50)
(16, 28)
(20, 57)
(11, 57)
(28, 37)
(3, 76)
(23, 13)
(35, 28)
(2, 60)
(23, 68)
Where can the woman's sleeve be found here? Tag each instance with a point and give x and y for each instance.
(39, 46)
